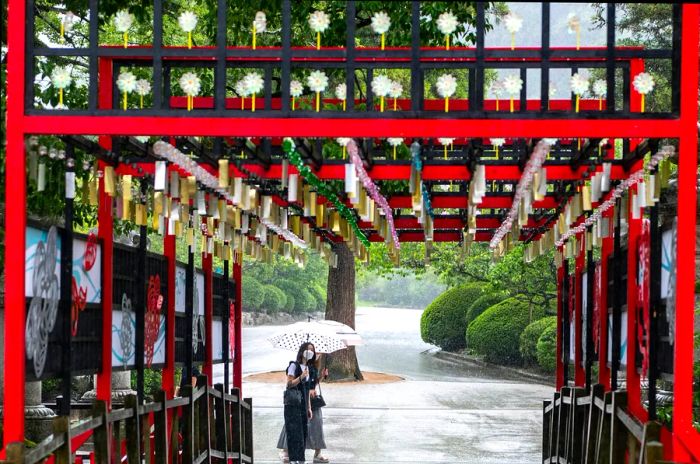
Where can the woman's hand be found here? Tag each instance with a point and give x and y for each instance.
(309, 413)
(312, 393)
(325, 373)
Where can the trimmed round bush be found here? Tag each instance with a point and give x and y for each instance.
(274, 299)
(530, 336)
(495, 334)
(253, 294)
(320, 295)
(483, 303)
(304, 302)
(289, 304)
(444, 320)
(547, 349)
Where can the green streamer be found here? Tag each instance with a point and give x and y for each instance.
(323, 189)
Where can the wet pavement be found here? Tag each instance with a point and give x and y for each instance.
(444, 412)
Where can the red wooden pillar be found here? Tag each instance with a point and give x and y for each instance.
(105, 227)
(15, 221)
(238, 351)
(633, 379)
(560, 343)
(169, 369)
(579, 370)
(208, 316)
(686, 438)
(606, 251)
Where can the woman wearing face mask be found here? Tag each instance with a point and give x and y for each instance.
(315, 439)
(297, 413)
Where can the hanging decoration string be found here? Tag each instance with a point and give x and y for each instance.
(323, 189)
(620, 190)
(539, 154)
(373, 191)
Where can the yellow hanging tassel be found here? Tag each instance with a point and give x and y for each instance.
(447, 104)
(447, 41)
(394, 152)
(189, 39)
(512, 107)
(141, 101)
(318, 41)
(254, 34)
(578, 38)
(253, 104)
(318, 101)
(344, 152)
(394, 104)
(496, 104)
(60, 97)
(512, 40)
(496, 151)
(643, 95)
(578, 100)
(382, 41)
(62, 31)
(343, 105)
(293, 102)
(444, 149)
(381, 104)
(600, 104)
(124, 100)
(126, 39)
(242, 103)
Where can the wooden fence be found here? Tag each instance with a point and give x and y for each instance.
(594, 428)
(205, 424)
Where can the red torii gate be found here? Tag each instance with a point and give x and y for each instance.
(23, 121)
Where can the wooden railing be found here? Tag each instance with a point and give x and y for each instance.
(595, 428)
(205, 424)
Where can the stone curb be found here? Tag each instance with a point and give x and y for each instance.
(458, 357)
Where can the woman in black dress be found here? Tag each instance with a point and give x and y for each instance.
(297, 410)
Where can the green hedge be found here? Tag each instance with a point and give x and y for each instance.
(320, 295)
(305, 302)
(483, 303)
(444, 320)
(530, 336)
(495, 334)
(253, 294)
(547, 349)
(274, 299)
(289, 305)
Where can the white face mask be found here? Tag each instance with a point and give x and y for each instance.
(308, 354)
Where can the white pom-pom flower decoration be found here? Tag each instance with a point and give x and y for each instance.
(319, 21)
(341, 92)
(68, 20)
(446, 141)
(260, 21)
(143, 87)
(513, 85)
(381, 85)
(317, 81)
(446, 85)
(644, 83)
(126, 82)
(343, 141)
(187, 21)
(496, 88)
(123, 21)
(573, 23)
(396, 89)
(600, 88)
(497, 141)
(381, 22)
(296, 88)
(579, 84)
(395, 141)
(60, 77)
(254, 82)
(513, 22)
(447, 23)
(241, 88)
(190, 83)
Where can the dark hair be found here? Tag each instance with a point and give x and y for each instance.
(300, 353)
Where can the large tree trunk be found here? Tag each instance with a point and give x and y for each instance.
(340, 306)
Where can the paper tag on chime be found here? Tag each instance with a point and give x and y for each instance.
(306, 232)
(223, 173)
(642, 195)
(139, 214)
(174, 210)
(184, 190)
(166, 207)
(635, 206)
(93, 187)
(245, 223)
(605, 180)
(70, 185)
(292, 188)
(596, 187)
(160, 174)
(200, 204)
(174, 185)
(266, 207)
(126, 209)
(586, 198)
(126, 187)
(213, 209)
(107, 177)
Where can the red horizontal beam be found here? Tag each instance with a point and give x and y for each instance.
(65, 124)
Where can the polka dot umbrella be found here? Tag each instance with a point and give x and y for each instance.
(324, 337)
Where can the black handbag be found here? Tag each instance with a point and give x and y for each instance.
(318, 401)
(294, 396)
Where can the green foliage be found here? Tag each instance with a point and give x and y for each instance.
(319, 295)
(289, 305)
(484, 302)
(530, 337)
(304, 301)
(495, 334)
(547, 349)
(444, 320)
(274, 299)
(253, 294)
(152, 382)
(403, 291)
